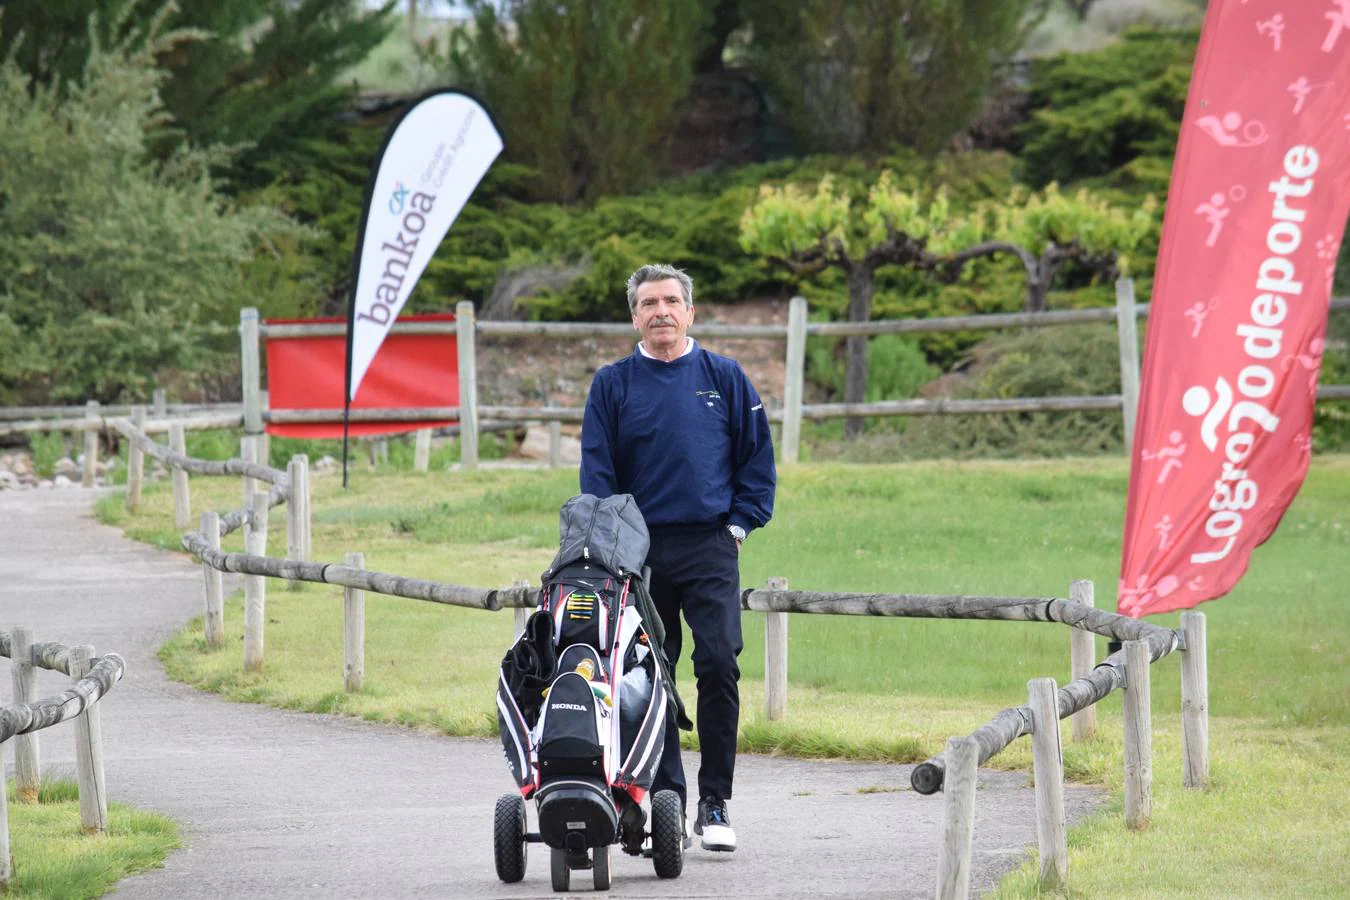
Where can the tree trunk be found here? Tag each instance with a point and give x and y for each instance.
(855, 376)
(1038, 285)
(725, 18)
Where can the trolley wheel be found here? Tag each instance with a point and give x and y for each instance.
(508, 838)
(600, 865)
(667, 834)
(562, 873)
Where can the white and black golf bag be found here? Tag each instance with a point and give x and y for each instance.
(583, 694)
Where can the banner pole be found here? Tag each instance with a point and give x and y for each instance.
(346, 423)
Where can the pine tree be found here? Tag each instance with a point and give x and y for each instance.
(586, 91)
(256, 73)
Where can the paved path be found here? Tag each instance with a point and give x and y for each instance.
(283, 804)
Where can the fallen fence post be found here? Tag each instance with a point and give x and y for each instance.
(27, 771)
(775, 657)
(1138, 736)
(135, 462)
(255, 586)
(958, 819)
(468, 386)
(422, 450)
(1194, 702)
(90, 444)
(214, 583)
(354, 629)
(1082, 657)
(1048, 770)
(182, 502)
(89, 752)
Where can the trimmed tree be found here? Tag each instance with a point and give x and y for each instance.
(809, 232)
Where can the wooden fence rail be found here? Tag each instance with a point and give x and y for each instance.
(94, 677)
(1144, 643)
(468, 327)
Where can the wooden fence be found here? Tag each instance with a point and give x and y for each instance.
(252, 413)
(467, 328)
(93, 676)
(952, 772)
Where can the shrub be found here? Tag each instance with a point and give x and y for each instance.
(1043, 362)
(113, 265)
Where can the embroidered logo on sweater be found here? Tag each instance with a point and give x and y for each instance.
(708, 396)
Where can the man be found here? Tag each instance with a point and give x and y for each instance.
(684, 432)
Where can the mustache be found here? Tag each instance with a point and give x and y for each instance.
(661, 320)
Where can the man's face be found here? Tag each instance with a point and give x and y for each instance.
(661, 316)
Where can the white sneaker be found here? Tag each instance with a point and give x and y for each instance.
(715, 826)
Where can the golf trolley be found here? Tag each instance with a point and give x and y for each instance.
(582, 704)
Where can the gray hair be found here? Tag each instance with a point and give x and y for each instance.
(659, 272)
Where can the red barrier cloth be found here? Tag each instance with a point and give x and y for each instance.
(1255, 213)
(410, 370)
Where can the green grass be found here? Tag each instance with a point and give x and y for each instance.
(54, 859)
(878, 688)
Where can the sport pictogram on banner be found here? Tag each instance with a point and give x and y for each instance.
(1255, 214)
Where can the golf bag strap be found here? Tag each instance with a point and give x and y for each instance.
(655, 628)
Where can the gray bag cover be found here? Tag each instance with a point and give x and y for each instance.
(608, 532)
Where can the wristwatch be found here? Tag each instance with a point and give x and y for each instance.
(737, 532)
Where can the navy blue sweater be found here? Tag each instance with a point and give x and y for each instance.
(689, 439)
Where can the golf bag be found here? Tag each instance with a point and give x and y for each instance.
(583, 695)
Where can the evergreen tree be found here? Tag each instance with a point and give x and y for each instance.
(258, 73)
(586, 91)
(116, 267)
(866, 75)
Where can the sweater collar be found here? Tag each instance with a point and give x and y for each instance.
(689, 345)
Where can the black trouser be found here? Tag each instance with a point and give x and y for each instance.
(695, 570)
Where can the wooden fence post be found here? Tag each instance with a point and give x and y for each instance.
(161, 403)
(523, 613)
(422, 450)
(250, 370)
(307, 505)
(135, 462)
(182, 501)
(1082, 657)
(214, 583)
(264, 439)
(27, 771)
(90, 445)
(1138, 736)
(255, 586)
(958, 818)
(795, 380)
(1127, 330)
(6, 863)
(1048, 768)
(1194, 702)
(248, 453)
(554, 444)
(775, 657)
(354, 629)
(297, 514)
(468, 386)
(89, 752)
